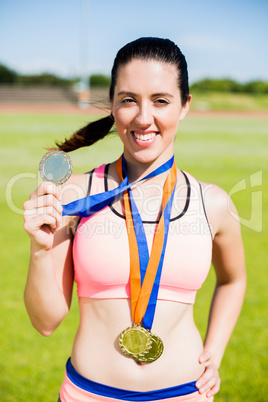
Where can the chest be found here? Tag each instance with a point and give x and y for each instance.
(101, 250)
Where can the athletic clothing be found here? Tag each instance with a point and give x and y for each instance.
(77, 388)
(102, 271)
(101, 249)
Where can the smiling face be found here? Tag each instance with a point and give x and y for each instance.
(147, 109)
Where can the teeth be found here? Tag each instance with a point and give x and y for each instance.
(145, 137)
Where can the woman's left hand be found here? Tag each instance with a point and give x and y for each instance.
(209, 380)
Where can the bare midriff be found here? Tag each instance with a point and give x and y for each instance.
(97, 356)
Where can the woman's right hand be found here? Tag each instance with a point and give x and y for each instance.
(43, 215)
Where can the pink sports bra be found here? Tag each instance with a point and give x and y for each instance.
(101, 249)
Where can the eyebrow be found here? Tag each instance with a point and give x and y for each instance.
(153, 95)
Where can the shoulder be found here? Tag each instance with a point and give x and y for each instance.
(75, 187)
(79, 185)
(220, 209)
(215, 195)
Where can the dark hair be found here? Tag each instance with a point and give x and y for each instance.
(147, 48)
(153, 49)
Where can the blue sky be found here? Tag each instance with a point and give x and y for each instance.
(219, 38)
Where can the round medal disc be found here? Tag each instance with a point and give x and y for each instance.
(155, 352)
(135, 341)
(55, 166)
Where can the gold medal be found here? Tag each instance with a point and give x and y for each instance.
(155, 352)
(135, 341)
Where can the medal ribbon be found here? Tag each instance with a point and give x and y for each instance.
(145, 271)
(88, 206)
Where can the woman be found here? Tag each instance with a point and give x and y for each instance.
(128, 347)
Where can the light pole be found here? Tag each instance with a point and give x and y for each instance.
(84, 87)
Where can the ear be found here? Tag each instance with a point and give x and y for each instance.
(185, 108)
(111, 107)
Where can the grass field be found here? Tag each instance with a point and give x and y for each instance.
(224, 151)
(226, 101)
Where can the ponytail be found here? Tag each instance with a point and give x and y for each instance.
(87, 135)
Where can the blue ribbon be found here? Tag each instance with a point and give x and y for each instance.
(144, 252)
(88, 206)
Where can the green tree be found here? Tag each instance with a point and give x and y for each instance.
(44, 79)
(99, 80)
(214, 85)
(7, 76)
(257, 87)
(231, 86)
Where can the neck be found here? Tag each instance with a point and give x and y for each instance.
(138, 169)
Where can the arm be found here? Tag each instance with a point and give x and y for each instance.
(50, 278)
(229, 264)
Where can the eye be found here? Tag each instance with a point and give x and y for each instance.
(162, 101)
(128, 100)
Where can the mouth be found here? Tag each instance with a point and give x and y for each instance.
(144, 136)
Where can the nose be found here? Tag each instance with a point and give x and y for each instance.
(144, 116)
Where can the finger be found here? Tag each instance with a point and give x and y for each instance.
(34, 219)
(207, 374)
(215, 389)
(33, 226)
(50, 212)
(47, 187)
(30, 214)
(43, 201)
(205, 356)
(208, 386)
(207, 380)
(46, 221)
